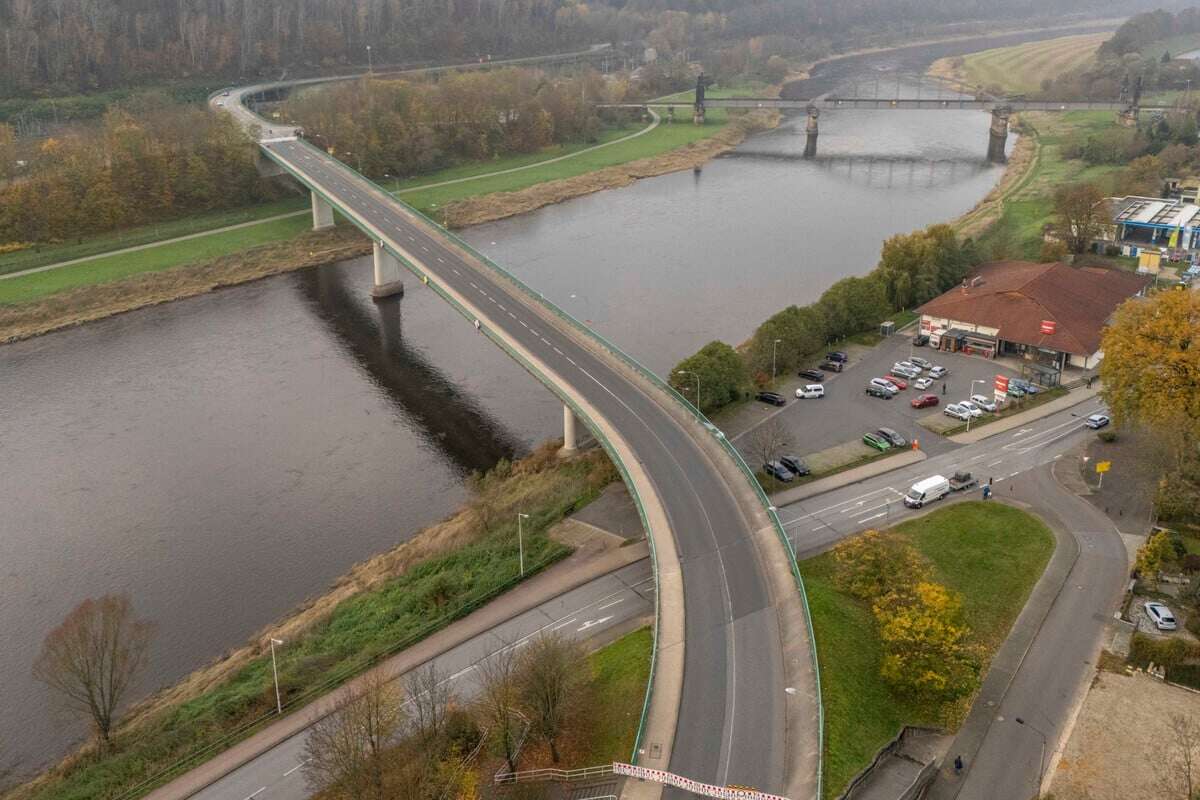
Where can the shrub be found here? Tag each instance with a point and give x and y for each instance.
(1144, 651)
(1193, 623)
(877, 565)
(1107, 436)
(1191, 563)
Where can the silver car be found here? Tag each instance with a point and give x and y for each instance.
(1160, 615)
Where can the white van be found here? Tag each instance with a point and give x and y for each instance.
(927, 491)
(814, 391)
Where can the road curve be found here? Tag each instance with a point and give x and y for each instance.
(718, 701)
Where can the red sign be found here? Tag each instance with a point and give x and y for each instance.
(1049, 326)
(1001, 383)
(687, 784)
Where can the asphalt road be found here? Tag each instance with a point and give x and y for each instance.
(587, 611)
(731, 720)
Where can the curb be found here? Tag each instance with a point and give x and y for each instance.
(840, 479)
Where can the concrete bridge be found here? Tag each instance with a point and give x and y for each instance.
(1000, 109)
(734, 695)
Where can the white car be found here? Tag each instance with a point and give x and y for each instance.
(972, 409)
(1160, 615)
(923, 383)
(919, 362)
(814, 391)
(905, 372)
(956, 411)
(907, 366)
(984, 402)
(1096, 421)
(938, 372)
(887, 386)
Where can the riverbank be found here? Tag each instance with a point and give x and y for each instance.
(376, 608)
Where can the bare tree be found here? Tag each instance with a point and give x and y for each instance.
(92, 658)
(548, 680)
(429, 696)
(768, 440)
(499, 701)
(1181, 778)
(344, 753)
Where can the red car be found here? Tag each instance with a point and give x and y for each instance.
(924, 401)
(900, 382)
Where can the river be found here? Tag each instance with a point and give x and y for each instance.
(223, 457)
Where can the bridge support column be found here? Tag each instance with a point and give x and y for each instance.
(570, 440)
(698, 114)
(387, 274)
(322, 212)
(998, 135)
(810, 144)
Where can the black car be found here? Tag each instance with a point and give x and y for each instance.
(838, 356)
(795, 464)
(878, 391)
(920, 340)
(774, 398)
(894, 438)
(832, 366)
(813, 375)
(778, 471)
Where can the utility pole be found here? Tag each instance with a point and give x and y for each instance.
(774, 350)
(275, 672)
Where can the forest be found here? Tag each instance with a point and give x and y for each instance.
(73, 46)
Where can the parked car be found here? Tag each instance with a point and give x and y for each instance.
(774, 398)
(1014, 390)
(907, 366)
(920, 362)
(984, 402)
(832, 366)
(812, 374)
(938, 372)
(879, 391)
(795, 464)
(893, 438)
(961, 481)
(920, 340)
(778, 471)
(924, 401)
(1026, 386)
(956, 411)
(923, 383)
(899, 382)
(1096, 421)
(972, 409)
(885, 384)
(926, 491)
(1160, 615)
(876, 441)
(838, 356)
(814, 391)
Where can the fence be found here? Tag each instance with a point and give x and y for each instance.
(558, 775)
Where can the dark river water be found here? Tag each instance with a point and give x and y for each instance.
(224, 457)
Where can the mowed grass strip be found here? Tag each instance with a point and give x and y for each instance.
(990, 553)
(1021, 68)
(620, 672)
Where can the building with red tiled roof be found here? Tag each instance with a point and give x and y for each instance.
(1053, 314)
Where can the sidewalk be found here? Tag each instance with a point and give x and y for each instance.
(1072, 398)
(586, 564)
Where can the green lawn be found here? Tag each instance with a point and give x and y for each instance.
(1022, 68)
(620, 672)
(991, 553)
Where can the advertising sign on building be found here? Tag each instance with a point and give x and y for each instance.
(1049, 326)
(689, 785)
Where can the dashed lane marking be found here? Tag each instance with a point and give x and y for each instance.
(293, 769)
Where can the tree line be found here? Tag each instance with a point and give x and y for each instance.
(142, 163)
(913, 268)
(404, 128)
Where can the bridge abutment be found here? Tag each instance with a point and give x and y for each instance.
(998, 135)
(322, 212)
(388, 280)
(811, 131)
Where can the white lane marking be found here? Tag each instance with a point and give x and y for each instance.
(877, 516)
(545, 342)
(568, 358)
(565, 624)
(256, 793)
(535, 333)
(473, 286)
(441, 260)
(523, 325)
(502, 308)
(994, 463)
(859, 500)
(511, 314)
(560, 352)
(591, 623)
(610, 605)
(426, 249)
(456, 272)
(411, 238)
(869, 510)
(293, 769)
(1014, 474)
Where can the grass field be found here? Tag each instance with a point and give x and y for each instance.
(619, 675)
(1176, 46)
(990, 553)
(1022, 68)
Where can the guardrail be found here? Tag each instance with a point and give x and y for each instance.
(560, 775)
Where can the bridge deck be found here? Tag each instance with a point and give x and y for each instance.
(904, 103)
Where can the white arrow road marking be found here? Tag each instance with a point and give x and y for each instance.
(591, 623)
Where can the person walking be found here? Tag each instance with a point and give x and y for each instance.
(958, 765)
(943, 388)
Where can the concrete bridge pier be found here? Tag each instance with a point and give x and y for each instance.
(998, 135)
(698, 114)
(810, 144)
(388, 280)
(322, 212)
(570, 439)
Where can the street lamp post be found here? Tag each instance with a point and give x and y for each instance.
(521, 540)
(697, 377)
(1042, 758)
(774, 350)
(370, 62)
(275, 672)
(969, 414)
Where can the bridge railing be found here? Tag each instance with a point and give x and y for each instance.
(698, 415)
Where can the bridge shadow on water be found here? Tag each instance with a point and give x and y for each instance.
(372, 333)
(881, 169)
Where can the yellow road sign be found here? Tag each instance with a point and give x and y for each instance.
(1103, 466)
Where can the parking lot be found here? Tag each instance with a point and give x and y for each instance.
(847, 412)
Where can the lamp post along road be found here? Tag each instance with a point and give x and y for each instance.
(695, 375)
(774, 350)
(969, 414)
(521, 541)
(1042, 759)
(275, 672)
